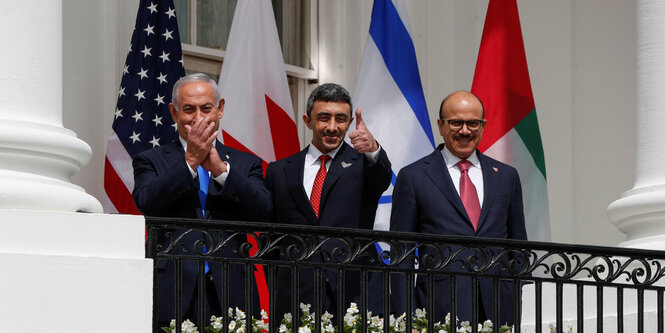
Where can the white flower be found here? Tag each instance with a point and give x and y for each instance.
(282, 328)
(420, 313)
(305, 308)
(398, 323)
(304, 330)
(239, 314)
(353, 309)
(448, 318)
(350, 320)
(172, 324)
(465, 326)
(216, 322)
(376, 321)
(232, 325)
(288, 317)
(326, 316)
(328, 328)
(264, 314)
(188, 327)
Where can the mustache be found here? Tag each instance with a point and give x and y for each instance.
(330, 133)
(465, 136)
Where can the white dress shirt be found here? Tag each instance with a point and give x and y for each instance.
(475, 172)
(221, 179)
(312, 165)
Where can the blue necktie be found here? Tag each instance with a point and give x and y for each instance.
(204, 179)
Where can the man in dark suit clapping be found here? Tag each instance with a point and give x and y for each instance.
(198, 177)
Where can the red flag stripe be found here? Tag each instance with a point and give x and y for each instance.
(117, 192)
(283, 129)
(501, 79)
(259, 275)
(232, 142)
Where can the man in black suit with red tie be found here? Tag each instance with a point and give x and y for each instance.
(329, 183)
(457, 190)
(198, 177)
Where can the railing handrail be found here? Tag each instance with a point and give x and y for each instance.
(459, 264)
(382, 235)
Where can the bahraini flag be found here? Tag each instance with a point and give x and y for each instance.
(258, 113)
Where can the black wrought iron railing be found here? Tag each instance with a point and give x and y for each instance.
(203, 266)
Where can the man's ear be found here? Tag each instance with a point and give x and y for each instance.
(220, 108)
(173, 113)
(307, 120)
(440, 124)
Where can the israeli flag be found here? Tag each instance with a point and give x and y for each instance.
(390, 94)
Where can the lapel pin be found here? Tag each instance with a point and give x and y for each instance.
(495, 169)
(346, 165)
(227, 157)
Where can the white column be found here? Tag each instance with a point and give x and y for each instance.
(640, 212)
(37, 155)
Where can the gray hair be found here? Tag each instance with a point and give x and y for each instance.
(195, 77)
(328, 92)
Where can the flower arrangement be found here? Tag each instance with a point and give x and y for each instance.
(352, 323)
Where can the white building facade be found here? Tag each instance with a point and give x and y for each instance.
(81, 270)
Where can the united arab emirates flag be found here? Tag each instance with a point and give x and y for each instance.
(512, 136)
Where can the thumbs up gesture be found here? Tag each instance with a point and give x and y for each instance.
(361, 138)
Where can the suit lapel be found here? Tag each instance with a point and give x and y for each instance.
(437, 171)
(490, 183)
(293, 173)
(343, 161)
(176, 153)
(224, 152)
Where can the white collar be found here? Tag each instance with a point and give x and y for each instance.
(451, 160)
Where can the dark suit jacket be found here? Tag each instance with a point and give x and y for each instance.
(164, 187)
(425, 200)
(349, 199)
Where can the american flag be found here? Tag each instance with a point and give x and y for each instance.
(142, 119)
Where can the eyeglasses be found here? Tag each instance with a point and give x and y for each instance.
(457, 124)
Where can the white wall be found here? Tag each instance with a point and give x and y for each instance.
(96, 36)
(581, 57)
(73, 272)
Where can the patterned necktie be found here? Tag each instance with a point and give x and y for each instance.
(468, 193)
(204, 179)
(315, 197)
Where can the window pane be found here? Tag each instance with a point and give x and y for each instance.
(293, 26)
(213, 22)
(194, 64)
(182, 14)
(214, 18)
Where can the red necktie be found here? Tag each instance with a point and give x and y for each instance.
(315, 197)
(468, 193)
